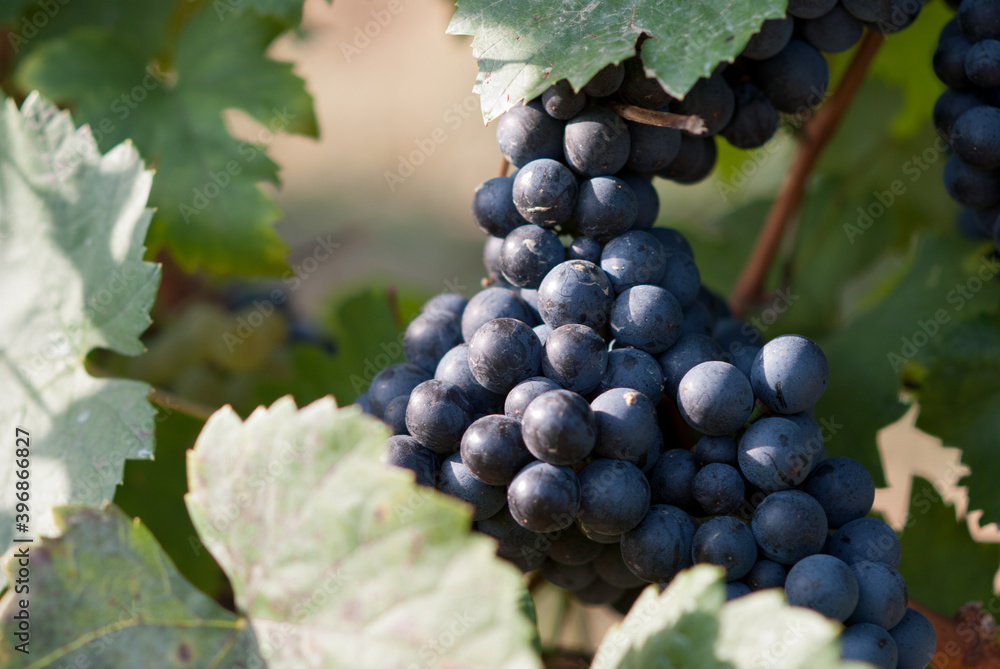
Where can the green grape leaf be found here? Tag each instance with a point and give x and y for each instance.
(103, 594)
(688, 625)
(342, 557)
(525, 46)
(935, 287)
(289, 11)
(959, 397)
(71, 246)
(934, 542)
(211, 211)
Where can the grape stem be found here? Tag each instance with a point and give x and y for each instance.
(748, 290)
(504, 164)
(694, 125)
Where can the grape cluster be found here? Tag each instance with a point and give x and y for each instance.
(606, 418)
(967, 115)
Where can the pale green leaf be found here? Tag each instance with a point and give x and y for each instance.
(103, 594)
(72, 224)
(347, 560)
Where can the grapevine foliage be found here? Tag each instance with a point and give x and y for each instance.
(164, 85)
(523, 47)
(84, 223)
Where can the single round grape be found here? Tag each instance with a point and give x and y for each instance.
(975, 137)
(673, 241)
(523, 393)
(774, 35)
(718, 488)
(736, 589)
(514, 542)
(640, 90)
(754, 121)
(794, 80)
(834, 32)
(824, 584)
(614, 496)
(651, 148)
(626, 424)
(493, 451)
(689, 350)
(774, 454)
(544, 497)
(605, 208)
(545, 192)
(646, 197)
(575, 291)
(585, 248)
(721, 450)
(949, 62)
(915, 640)
(712, 100)
(978, 189)
(672, 480)
(454, 368)
(982, 63)
(395, 415)
(490, 304)
(789, 374)
(660, 546)
(429, 336)
(869, 643)
(561, 102)
(493, 207)
(646, 317)
(596, 142)
(813, 434)
(715, 398)
(610, 566)
(606, 81)
(437, 415)
(491, 259)
(810, 9)
(697, 319)
(766, 574)
(979, 19)
(575, 357)
(456, 480)
(528, 254)
(452, 303)
(727, 542)
(571, 547)
(635, 369)
(559, 427)
(504, 352)
(882, 595)
(694, 162)
(632, 258)
(527, 133)
(843, 487)
(788, 526)
(390, 383)
(406, 452)
(866, 540)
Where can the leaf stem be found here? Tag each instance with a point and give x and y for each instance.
(162, 398)
(816, 134)
(694, 125)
